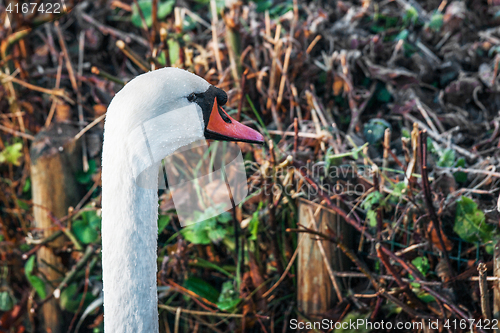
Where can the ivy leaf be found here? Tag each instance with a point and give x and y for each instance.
(86, 229)
(228, 298)
(86, 177)
(447, 159)
(374, 130)
(34, 280)
(470, 223)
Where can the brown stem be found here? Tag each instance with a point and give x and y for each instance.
(296, 136)
(272, 214)
(419, 278)
(242, 95)
(404, 286)
(428, 197)
(363, 268)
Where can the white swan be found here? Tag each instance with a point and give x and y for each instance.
(152, 116)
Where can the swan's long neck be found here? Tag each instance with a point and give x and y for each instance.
(129, 216)
(129, 246)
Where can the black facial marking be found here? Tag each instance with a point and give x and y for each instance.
(206, 102)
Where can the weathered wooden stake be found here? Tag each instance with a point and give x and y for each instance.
(55, 158)
(496, 284)
(316, 293)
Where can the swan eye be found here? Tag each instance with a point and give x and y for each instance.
(191, 97)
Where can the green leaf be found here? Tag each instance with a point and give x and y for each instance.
(402, 35)
(86, 229)
(411, 16)
(422, 264)
(371, 199)
(436, 21)
(173, 50)
(37, 283)
(6, 302)
(253, 226)
(70, 298)
(398, 189)
(162, 60)
(447, 159)
(201, 288)
(208, 230)
(84, 233)
(383, 95)
(86, 177)
(224, 217)
(27, 185)
(197, 233)
(426, 298)
(371, 215)
(470, 223)
(374, 130)
(216, 235)
(146, 6)
(228, 305)
(263, 5)
(460, 176)
(163, 221)
(12, 153)
(164, 8)
(23, 205)
(229, 298)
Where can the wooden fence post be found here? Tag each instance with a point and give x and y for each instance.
(316, 293)
(55, 158)
(496, 284)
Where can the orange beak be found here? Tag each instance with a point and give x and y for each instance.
(223, 127)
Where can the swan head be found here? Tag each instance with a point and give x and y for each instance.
(161, 111)
(158, 93)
